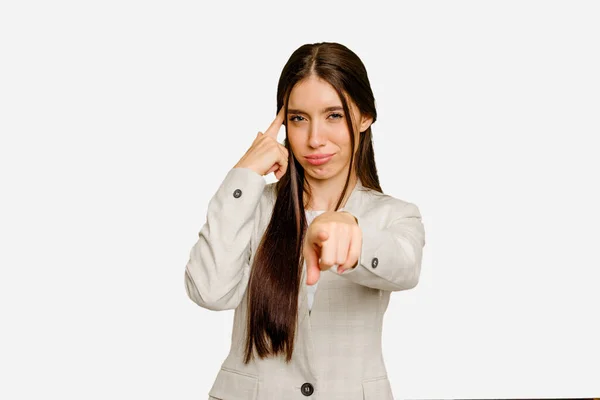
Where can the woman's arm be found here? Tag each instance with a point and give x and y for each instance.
(390, 257)
(216, 275)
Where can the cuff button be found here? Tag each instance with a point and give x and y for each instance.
(374, 262)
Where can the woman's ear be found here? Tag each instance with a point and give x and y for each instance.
(365, 122)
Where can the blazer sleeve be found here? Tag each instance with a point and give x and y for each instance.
(390, 257)
(216, 275)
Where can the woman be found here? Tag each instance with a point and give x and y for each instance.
(308, 262)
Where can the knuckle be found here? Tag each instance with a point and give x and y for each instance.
(330, 261)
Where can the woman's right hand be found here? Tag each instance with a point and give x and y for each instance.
(266, 154)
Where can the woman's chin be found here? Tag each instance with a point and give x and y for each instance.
(318, 172)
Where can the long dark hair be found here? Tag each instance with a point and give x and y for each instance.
(274, 282)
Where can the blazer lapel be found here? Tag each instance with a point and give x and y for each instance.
(352, 207)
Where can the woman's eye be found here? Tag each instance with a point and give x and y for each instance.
(334, 115)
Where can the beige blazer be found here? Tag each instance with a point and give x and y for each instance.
(337, 353)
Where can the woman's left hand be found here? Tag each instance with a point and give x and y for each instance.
(333, 237)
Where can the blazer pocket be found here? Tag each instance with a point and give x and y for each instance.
(234, 385)
(377, 389)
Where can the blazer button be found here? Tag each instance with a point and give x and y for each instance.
(237, 193)
(374, 262)
(307, 389)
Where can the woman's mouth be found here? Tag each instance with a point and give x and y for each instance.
(315, 160)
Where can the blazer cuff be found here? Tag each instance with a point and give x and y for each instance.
(238, 195)
(390, 257)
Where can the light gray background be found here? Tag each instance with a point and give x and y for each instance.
(119, 120)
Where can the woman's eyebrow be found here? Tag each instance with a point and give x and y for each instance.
(323, 111)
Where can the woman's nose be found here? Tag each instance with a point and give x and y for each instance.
(316, 138)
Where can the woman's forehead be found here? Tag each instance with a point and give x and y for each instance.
(315, 96)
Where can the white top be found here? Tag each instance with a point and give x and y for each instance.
(310, 215)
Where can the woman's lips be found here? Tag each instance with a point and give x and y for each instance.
(319, 161)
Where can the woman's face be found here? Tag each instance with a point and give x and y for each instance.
(317, 125)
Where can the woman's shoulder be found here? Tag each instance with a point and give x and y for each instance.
(371, 199)
(392, 204)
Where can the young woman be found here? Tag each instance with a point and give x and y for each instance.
(307, 262)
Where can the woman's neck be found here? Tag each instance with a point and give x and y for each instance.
(325, 193)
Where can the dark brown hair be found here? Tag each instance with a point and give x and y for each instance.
(274, 282)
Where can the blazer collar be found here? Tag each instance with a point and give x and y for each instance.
(353, 200)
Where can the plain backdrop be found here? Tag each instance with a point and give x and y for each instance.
(119, 120)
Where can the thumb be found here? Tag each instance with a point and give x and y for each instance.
(273, 168)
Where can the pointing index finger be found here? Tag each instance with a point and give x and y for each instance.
(273, 129)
